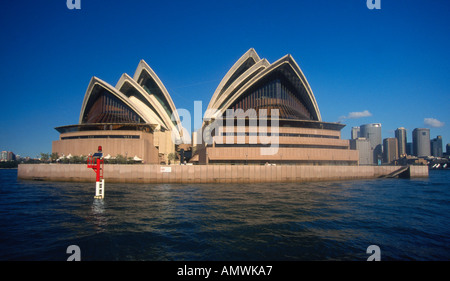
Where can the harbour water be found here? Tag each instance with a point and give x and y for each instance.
(408, 219)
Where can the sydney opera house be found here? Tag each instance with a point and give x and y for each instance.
(261, 113)
(136, 118)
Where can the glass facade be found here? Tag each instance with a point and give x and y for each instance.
(101, 137)
(274, 93)
(152, 88)
(109, 109)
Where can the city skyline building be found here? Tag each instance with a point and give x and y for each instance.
(436, 147)
(7, 156)
(400, 135)
(421, 142)
(362, 145)
(390, 150)
(356, 132)
(373, 133)
(409, 148)
(4, 156)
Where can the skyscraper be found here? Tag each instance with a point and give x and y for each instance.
(11, 156)
(390, 150)
(373, 133)
(7, 156)
(355, 133)
(421, 142)
(363, 147)
(4, 156)
(400, 135)
(409, 149)
(436, 147)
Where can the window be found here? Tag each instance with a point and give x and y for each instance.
(274, 93)
(107, 108)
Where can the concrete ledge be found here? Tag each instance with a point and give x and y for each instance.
(208, 173)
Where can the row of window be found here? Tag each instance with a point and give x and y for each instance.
(231, 134)
(109, 109)
(102, 137)
(284, 145)
(275, 95)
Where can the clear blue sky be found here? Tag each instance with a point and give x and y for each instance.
(393, 62)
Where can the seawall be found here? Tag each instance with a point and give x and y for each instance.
(147, 173)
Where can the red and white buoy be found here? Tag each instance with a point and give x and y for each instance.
(96, 163)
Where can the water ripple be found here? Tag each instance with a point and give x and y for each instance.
(407, 219)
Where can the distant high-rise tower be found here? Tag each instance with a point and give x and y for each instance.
(11, 156)
(373, 133)
(400, 135)
(365, 153)
(355, 133)
(421, 142)
(409, 149)
(4, 156)
(436, 147)
(390, 150)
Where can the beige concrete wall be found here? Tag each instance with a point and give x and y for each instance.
(142, 147)
(319, 149)
(208, 173)
(282, 154)
(163, 140)
(419, 171)
(291, 130)
(70, 172)
(283, 140)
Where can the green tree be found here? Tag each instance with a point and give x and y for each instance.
(44, 156)
(120, 159)
(172, 156)
(54, 156)
(76, 159)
